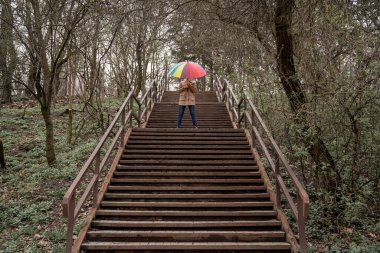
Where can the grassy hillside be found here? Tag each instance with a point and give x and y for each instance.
(31, 192)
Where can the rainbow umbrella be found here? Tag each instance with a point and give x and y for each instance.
(187, 69)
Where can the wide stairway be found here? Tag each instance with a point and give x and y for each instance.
(187, 190)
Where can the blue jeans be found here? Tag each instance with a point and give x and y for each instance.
(181, 110)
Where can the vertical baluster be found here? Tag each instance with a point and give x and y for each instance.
(277, 175)
(123, 130)
(224, 91)
(252, 114)
(239, 113)
(95, 189)
(228, 100)
(131, 108)
(70, 223)
(301, 224)
(245, 110)
(233, 107)
(158, 91)
(151, 99)
(139, 115)
(220, 89)
(146, 107)
(166, 82)
(231, 103)
(155, 92)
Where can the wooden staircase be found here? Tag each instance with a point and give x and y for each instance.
(187, 190)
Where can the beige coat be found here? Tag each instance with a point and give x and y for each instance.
(186, 95)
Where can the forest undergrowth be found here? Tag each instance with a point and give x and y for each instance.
(31, 191)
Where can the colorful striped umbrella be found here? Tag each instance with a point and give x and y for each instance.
(187, 69)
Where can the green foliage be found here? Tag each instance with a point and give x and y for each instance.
(32, 192)
(57, 235)
(342, 219)
(354, 248)
(58, 249)
(353, 229)
(13, 215)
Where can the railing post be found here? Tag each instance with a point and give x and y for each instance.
(239, 113)
(224, 90)
(131, 108)
(95, 190)
(151, 102)
(70, 223)
(228, 100)
(146, 107)
(233, 106)
(158, 91)
(301, 224)
(155, 92)
(166, 83)
(123, 130)
(216, 88)
(139, 115)
(276, 176)
(253, 124)
(245, 109)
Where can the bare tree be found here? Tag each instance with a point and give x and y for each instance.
(49, 26)
(8, 54)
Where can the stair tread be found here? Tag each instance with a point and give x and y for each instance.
(185, 180)
(184, 146)
(182, 142)
(185, 188)
(189, 167)
(191, 130)
(186, 173)
(186, 204)
(184, 245)
(202, 138)
(185, 196)
(155, 223)
(186, 156)
(204, 162)
(196, 151)
(177, 132)
(124, 233)
(183, 213)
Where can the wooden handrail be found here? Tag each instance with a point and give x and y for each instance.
(292, 175)
(146, 94)
(71, 209)
(244, 110)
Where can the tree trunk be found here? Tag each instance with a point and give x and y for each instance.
(7, 85)
(8, 54)
(211, 83)
(139, 80)
(2, 156)
(70, 125)
(70, 93)
(297, 97)
(49, 141)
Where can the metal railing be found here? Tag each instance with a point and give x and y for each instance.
(71, 209)
(244, 111)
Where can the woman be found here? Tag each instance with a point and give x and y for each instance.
(186, 90)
